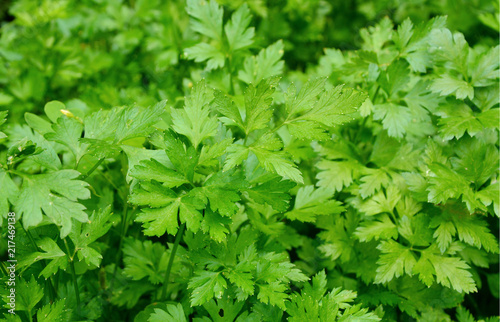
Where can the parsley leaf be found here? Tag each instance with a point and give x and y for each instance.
(239, 35)
(193, 120)
(206, 285)
(266, 64)
(144, 259)
(273, 192)
(8, 193)
(314, 303)
(221, 190)
(311, 202)
(167, 207)
(207, 18)
(395, 260)
(54, 312)
(51, 251)
(55, 193)
(258, 102)
(449, 271)
(3, 118)
(174, 313)
(83, 235)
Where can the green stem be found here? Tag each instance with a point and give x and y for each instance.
(3, 269)
(98, 163)
(277, 127)
(123, 232)
(286, 121)
(360, 129)
(178, 237)
(123, 229)
(73, 273)
(176, 34)
(375, 95)
(21, 174)
(77, 162)
(108, 179)
(30, 237)
(43, 264)
(231, 85)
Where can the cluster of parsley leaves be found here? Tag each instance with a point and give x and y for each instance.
(177, 161)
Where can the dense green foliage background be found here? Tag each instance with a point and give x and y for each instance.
(218, 131)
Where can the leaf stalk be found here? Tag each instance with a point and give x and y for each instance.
(73, 273)
(178, 237)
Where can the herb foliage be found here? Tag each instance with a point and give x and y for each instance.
(172, 161)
